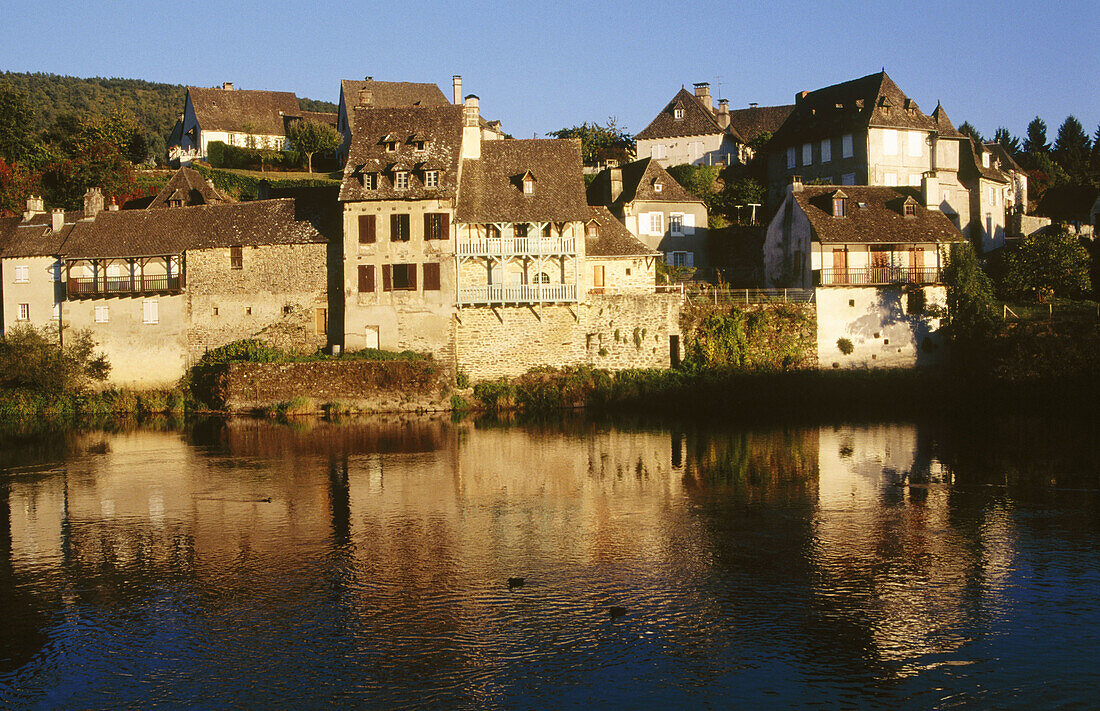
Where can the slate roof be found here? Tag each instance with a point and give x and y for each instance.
(390, 95)
(751, 123)
(325, 117)
(638, 184)
(439, 126)
(879, 221)
(873, 100)
(970, 163)
(233, 109)
(36, 238)
(614, 238)
(1007, 162)
(697, 120)
(187, 184)
(150, 233)
(492, 186)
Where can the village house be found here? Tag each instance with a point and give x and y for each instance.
(655, 209)
(473, 248)
(237, 117)
(30, 270)
(873, 256)
(868, 132)
(690, 129)
(371, 94)
(998, 196)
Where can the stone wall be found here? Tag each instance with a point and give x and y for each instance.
(378, 386)
(879, 323)
(613, 331)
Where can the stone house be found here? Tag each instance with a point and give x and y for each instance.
(868, 132)
(998, 194)
(873, 256)
(616, 257)
(236, 117)
(372, 94)
(186, 188)
(473, 248)
(655, 209)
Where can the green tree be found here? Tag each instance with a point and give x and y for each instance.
(17, 182)
(600, 143)
(16, 121)
(1048, 265)
(101, 165)
(968, 129)
(310, 137)
(36, 360)
(971, 318)
(1010, 143)
(1071, 148)
(1036, 141)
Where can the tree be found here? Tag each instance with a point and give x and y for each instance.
(1036, 141)
(971, 318)
(17, 182)
(35, 360)
(1010, 143)
(1046, 265)
(101, 165)
(968, 129)
(16, 118)
(311, 136)
(1071, 148)
(600, 143)
(1094, 159)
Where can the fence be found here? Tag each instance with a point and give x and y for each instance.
(754, 296)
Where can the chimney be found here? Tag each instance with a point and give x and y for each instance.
(753, 104)
(456, 84)
(702, 92)
(796, 183)
(93, 202)
(35, 205)
(366, 98)
(113, 207)
(227, 85)
(800, 96)
(368, 78)
(57, 218)
(616, 183)
(930, 190)
(724, 113)
(471, 130)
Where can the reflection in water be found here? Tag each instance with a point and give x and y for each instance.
(239, 563)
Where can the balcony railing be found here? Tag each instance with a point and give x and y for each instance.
(517, 294)
(505, 246)
(877, 276)
(120, 286)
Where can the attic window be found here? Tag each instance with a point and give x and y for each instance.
(658, 187)
(528, 183)
(909, 210)
(431, 178)
(985, 160)
(370, 181)
(592, 230)
(390, 142)
(840, 206)
(678, 113)
(401, 180)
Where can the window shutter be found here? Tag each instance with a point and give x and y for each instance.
(411, 271)
(387, 278)
(395, 228)
(668, 258)
(366, 229)
(645, 223)
(366, 277)
(690, 259)
(431, 276)
(445, 229)
(689, 224)
(428, 225)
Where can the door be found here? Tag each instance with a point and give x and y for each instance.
(597, 278)
(880, 265)
(840, 267)
(916, 265)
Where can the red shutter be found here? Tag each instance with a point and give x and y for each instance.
(366, 229)
(412, 276)
(387, 279)
(366, 278)
(431, 276)
(445, 229)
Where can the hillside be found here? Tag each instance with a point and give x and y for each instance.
(155, 106)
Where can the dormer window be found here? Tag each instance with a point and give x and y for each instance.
(390, 142)
(528, 183)
(658, 186)
(370, 181)
(592, 230)
(909, 210)
(985, 160)
(840, 204)
(401, 180)
(678, 113)
(419, 141)
(431, 178)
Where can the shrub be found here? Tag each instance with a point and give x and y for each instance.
(845, 346)
(36, 360)
(1046, 265)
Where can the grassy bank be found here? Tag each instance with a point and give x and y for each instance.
(24, 404)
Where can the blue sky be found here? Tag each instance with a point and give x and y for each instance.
(538, 66)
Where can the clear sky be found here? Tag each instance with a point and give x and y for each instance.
(538, 66)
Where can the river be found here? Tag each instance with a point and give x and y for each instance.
(665, 564)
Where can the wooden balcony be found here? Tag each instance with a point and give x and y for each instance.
(517, 294)
(513, 246)
(88, 287)
(876, 276)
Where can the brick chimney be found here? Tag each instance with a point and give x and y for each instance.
(724, 113)
(93, 202)
(471, 128)
(930, 190)
(456, 86)
(702, 92)
(227, 85)
(57, 219)
(113, 207)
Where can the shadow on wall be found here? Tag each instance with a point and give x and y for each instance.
(887, 319)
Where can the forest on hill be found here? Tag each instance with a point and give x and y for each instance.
(153, 106)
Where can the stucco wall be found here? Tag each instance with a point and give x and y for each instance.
(624, 274)
(636, 221)
(40, 292)
(697, 150)
(877, 322)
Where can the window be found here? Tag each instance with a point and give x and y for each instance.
(24, 312)
(790, 157)
(677, 113)
(542, 278)
(890, 179)
(22, 274)
(404, 277)
(546, 231)
(915, 139)
(985, 160)
(597, 276)
(366, 278)
(399, 228)
(370, 181)
(658, 187)
(807, 154)
(826, 150)
(658, 151)
(676, 223)
(401, 180)
(520, 229)
(431, 178)
(236, 259)
(436, 225)
(846, 146)
(656, 223)
(391, 146)
(889, 142)
(367, 229)
(909, 210)
(840, 207)
(592, 230)
(150, 311)
(848, 179)
(103, 314)
(679, 259)
(528, 186)
(431, 276)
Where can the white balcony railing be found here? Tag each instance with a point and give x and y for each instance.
(504, 246)
(517, 294)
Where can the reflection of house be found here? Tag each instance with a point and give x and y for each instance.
(868, 132)
(236, 117)
(874, 256)
(656, 210)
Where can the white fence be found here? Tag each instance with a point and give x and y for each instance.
(500, 246)
(517, 294)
